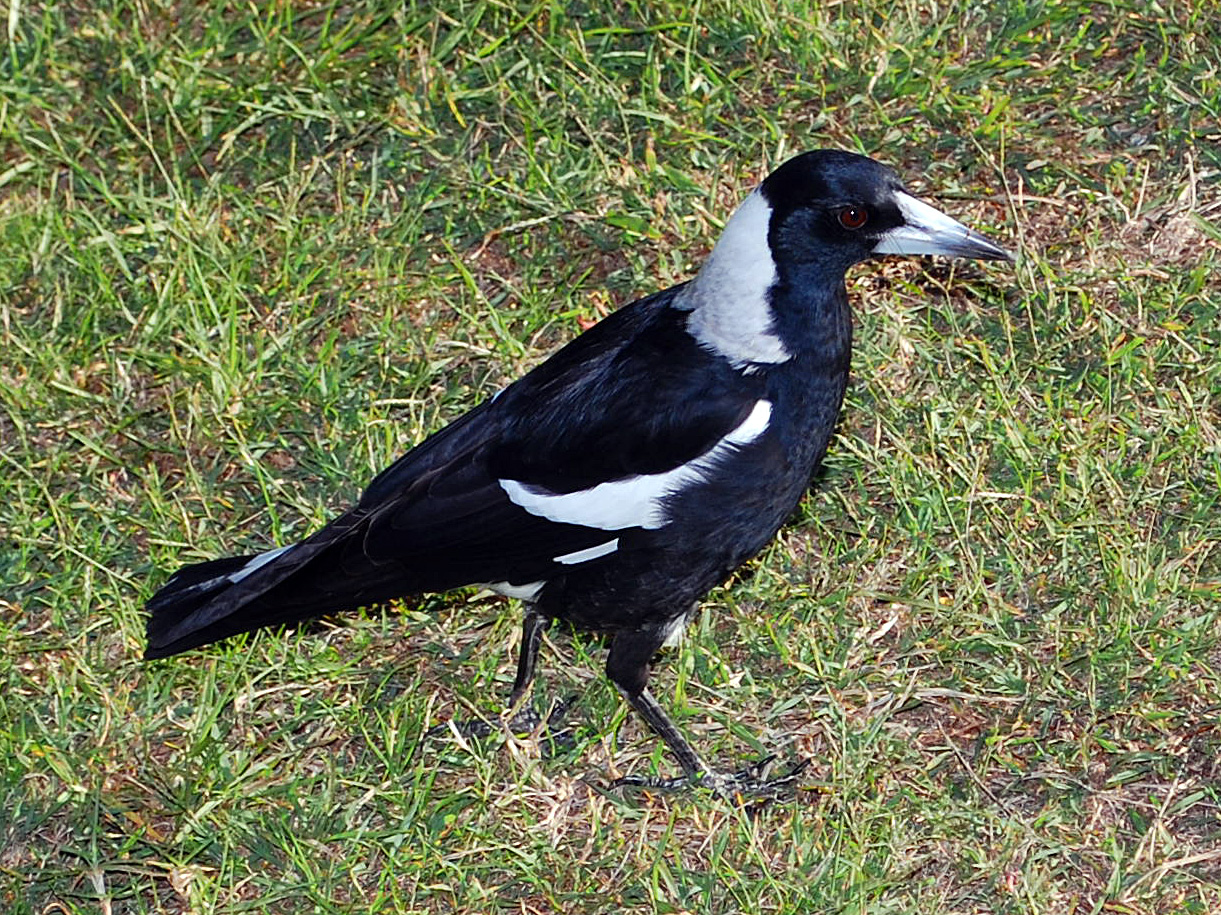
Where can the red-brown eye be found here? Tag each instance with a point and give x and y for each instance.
(853, 217)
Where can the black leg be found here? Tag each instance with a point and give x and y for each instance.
(628, 668)
(527, 719)
(531, 637)
(648, 709)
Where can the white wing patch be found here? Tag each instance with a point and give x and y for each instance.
(730, 312)
(602, 549)
(257, 563)
(635, 501)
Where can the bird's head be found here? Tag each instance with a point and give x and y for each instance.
(832, 206)
(792, 240)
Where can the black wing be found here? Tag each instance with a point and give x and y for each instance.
(633, 395)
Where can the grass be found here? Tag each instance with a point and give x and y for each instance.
(253, 251)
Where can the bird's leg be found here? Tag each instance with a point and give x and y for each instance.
(695, 769)
(527, 719)
(628, 668)
(531, 638)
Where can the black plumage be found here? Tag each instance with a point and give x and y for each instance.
(618, 482)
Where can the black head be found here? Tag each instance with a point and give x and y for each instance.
(835, 209)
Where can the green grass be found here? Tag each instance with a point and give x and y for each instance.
(253, 251)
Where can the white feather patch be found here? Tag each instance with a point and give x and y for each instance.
(602, 549)
(674, 630)
(257, 563)
(525, 592)
(635, 501)
(728, 298)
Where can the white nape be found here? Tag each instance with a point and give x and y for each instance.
(728, 298)
(635, 501)
(257, 563)
(594, 552)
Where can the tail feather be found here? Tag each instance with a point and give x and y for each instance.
(188, 591)
(202, 578)
(209, 601)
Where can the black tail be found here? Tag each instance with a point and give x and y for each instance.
(326, 573)
(198, 605)
(209, 601)
(190, 589)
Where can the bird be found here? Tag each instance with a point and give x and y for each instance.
(615, 484)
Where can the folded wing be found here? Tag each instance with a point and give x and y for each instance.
(525, 487)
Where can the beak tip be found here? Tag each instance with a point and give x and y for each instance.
(981, 247)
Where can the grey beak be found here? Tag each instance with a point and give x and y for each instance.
(927, 230)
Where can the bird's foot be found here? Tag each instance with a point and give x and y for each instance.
(750, 786)
(525, 721)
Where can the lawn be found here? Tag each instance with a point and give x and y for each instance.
(253, 251)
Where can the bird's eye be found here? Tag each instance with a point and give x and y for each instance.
(853, 217)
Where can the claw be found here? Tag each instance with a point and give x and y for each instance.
(749, 786)
(527, 721)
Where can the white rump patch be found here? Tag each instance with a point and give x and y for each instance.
(728, 298)
(527, 592)
(602, 549)
(257, 563)
(635, 501)
(674, 630)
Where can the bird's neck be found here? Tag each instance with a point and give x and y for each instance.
(756, 313)
(810, 314)
(728, 298)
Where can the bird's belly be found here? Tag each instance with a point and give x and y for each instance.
(713, 528)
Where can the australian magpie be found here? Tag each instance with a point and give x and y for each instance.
(619, 481)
